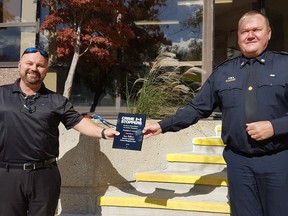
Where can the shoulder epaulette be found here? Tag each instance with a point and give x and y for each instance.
(281, 52)
(229, 59)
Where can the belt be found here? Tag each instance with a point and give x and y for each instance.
(28, 165)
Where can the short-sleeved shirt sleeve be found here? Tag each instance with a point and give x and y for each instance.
(32, 136)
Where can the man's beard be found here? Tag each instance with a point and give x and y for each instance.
(33, 78)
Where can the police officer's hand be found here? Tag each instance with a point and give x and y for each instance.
(151, 130)
(260, 130)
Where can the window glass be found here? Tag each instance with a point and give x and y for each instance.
(10, 44)
(10, 41)
(10, 11)
(185, 30)
(17, 28)
(181, 22)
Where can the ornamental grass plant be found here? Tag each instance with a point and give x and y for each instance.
(167, 86)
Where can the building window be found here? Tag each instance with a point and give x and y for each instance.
(180, 21)
(17, 29)
(10, 44)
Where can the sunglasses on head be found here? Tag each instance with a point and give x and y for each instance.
(34, 50)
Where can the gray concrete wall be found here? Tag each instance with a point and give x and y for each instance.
(8, 75)
(90, 167)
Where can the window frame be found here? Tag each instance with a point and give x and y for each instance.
(13, 25)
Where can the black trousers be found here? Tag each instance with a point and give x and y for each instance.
(33, 193)
(258, 186)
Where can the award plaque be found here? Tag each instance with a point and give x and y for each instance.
(130, 127)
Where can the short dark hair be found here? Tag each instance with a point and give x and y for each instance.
(254, 12)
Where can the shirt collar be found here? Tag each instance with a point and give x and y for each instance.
(261, 59)
(16, 86)
(43, 91)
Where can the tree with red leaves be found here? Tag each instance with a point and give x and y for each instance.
(103, 31)
(86, 27)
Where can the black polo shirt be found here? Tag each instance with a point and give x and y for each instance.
(30, 132)
(226, 88)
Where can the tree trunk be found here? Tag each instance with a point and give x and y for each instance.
(70, 77)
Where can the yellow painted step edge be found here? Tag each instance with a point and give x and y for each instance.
(182, 179)
(190, 158)
(206, 141)
(143, 202)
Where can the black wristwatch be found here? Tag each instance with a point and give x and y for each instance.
(103, 134)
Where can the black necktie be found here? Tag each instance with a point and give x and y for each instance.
(251, 93)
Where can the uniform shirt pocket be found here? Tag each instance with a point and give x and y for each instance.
(270, 90)
(230, 94)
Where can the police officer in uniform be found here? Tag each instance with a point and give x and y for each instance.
(252, 93)
(29, 118)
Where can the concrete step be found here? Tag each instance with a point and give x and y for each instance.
(194, 167)
(210, 145)
(126, 211)
(191, 201)
(64, 214)
(220, 192)
(193, 183)
(191, 157)
(205, 177)
(208, 141)
(207, 149)
(191, 161)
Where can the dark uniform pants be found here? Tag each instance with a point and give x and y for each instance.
(258, 186)
(33, 193)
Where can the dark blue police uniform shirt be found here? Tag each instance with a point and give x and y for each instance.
(32, 136)
(226, 88)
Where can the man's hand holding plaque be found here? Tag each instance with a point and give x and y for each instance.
(130, 127)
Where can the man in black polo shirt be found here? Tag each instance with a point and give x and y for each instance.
(29, 118)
